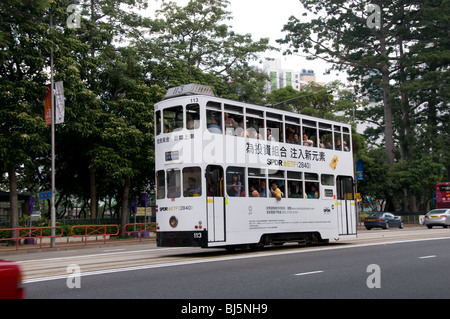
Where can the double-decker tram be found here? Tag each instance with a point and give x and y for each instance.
(443, 195)
(232, 174)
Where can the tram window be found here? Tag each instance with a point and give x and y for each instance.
(255, 128)
(192, 116)
(257, 187)
(214, 180)
(325, 136)
(239, 130)
(295, 185)
(278, 178)
(160, 185)
(309, 137)
(173, 183)
(312, 185)
(346, 142)
(344, 187)
(214, 119)
(295, 189)
(256, 177)
(192, 182)
(274, 131)
(236, 181)
(337, 138)
(158, 122)
(291, 131)
(173, 119)
(232, 123)
(327, 180)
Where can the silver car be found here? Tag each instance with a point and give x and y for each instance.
(438, 217)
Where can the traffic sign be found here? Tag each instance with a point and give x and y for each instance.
(45, 195)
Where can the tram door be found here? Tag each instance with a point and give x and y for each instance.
(346, 206)
(215, 205)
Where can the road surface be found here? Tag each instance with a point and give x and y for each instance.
(408, 263)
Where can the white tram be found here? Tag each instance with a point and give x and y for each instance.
(230, 174)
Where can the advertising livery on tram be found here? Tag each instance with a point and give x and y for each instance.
(232, 174)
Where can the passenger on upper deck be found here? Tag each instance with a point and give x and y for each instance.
(307, 141)
(214, 127)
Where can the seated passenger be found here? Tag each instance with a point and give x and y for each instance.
(214, 127)
(253, 191)
(296, 139)
(192, 190)
(293, 192)
(235, 188)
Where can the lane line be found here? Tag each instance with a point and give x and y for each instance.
(426, 257)
(309, 273)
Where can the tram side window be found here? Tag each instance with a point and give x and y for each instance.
(239, 129)
(274, 131)
(277, 177)
(312, 185)
(173, 119)
(236, 181)
(295, 185)
(192, 116)
(325, 136)
(214, 119)
(346, 142)
(160, 185)
(337, 138)
(255, 128)
(158, 122)
(327, 180)
(257, 182)
(192, 182)
(173, 183)
(293, 134)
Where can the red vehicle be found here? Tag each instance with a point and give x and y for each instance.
(10, 281)
(443, 195)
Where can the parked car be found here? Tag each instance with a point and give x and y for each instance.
(383, 220)
(11, 281)
(437, 217)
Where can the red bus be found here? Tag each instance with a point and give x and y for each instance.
(443, 195)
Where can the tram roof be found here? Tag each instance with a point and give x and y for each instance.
(199, 89)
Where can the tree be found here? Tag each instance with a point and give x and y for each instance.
(194, 43)
(22, 60)
(97, 80)
(400, 51)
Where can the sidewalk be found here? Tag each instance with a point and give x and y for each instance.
(66, 243)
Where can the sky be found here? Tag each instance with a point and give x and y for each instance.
(265, 19)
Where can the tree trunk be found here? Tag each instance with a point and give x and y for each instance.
(125, 197)
(13, 198)
(93, 193)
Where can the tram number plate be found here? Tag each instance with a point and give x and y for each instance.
(197, 235)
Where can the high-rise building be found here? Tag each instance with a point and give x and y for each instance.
(281, 78)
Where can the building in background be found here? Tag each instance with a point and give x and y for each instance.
(281, 77)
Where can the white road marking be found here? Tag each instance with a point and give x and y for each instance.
(309, 273)
(426, 257)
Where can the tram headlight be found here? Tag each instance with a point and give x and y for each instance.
(173, 222)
